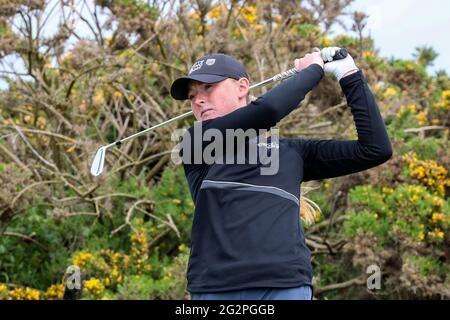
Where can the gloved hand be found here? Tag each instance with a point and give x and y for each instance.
(339, 67)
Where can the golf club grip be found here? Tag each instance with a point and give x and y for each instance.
(340, 54)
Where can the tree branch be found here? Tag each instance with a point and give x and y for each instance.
(350, 283)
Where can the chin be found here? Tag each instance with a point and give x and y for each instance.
(209, 116)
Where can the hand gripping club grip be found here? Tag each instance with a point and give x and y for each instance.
(339, 55)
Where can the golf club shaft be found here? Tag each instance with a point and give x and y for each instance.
(278, 77)
(341, 54)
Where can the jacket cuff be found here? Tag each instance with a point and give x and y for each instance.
(350, 79)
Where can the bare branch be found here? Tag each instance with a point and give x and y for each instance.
(25, 237)
(358, 281)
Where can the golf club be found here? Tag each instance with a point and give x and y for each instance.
(99, 159)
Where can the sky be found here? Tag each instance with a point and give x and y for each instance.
(399, 26)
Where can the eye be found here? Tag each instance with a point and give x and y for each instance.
(190, 97)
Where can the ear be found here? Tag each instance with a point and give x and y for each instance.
(243, 87)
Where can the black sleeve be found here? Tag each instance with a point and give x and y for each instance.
(333, 158)
(263, 113)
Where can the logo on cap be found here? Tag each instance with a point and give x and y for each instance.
(196, 66)
(210, 62)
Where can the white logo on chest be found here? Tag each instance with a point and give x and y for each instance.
(269, 145)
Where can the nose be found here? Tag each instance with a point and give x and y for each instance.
(199, 98)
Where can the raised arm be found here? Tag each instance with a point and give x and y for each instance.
(334, 158)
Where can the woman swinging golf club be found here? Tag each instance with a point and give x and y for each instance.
(247, 238)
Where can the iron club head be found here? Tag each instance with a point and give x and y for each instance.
(99, 161)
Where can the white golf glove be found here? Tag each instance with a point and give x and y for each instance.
(339, 67)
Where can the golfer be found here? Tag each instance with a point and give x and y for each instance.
(247, 239)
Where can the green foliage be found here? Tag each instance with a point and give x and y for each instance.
(138, 288)
(425, 55)
(368, 222)
(376, 62)
(403, 120)
(410, 66)
(138, 5)
(36, 264)
(344, 41)
(172, 197)
(430, 266)
(306, 30)
(428, 150)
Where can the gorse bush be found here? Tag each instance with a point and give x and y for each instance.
(128, 230)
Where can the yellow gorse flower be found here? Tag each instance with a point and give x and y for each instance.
(249, 14)
(436, 217)
(387, 190)
(94, 286)
(54, 292)
(326, 42)
(24, 294)
(436, 233)
(139, 249)
(445, 94)
(444, 102)
(368, 54)
(421, 236)
(82, 258)
(428, 172)
(215, 12)
(4, 292)
(412, 108)
(390, 92)
(422, 118)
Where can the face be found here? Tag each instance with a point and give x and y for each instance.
(209, 101)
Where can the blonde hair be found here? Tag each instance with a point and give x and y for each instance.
(309, 210)
(251, 98)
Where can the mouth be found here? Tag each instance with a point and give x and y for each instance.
(205, 112)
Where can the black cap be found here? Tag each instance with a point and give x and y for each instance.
(211, 68)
